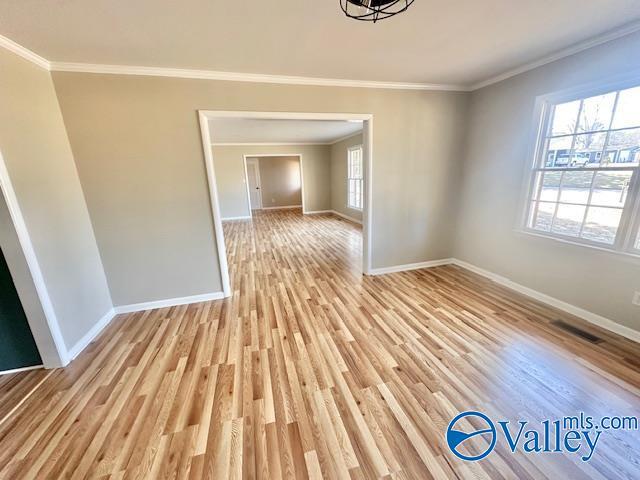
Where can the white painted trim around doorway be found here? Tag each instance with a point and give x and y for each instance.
(367, 130)
(215, 204)
(245, 159)
(58, 356)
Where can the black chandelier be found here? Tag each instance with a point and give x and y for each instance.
(373, 10)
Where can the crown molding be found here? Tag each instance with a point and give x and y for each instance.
(311, 81)
(267, 144)
(24, 52)
(246, 77)
(283, 144)
(576, 48)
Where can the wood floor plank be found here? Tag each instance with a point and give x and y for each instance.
(311, 370)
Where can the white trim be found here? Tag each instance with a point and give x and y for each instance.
(346, 217)
(137, 307)
(81, 344)
(284, 207)
(24, 52)
(301, 184)
(284, 115)
(267, 144)
(34, 267)
(411, 266)
(246, 184)
(283, 144)
(245, 77)
(314, 212)
(567, 52)
(593, 318)
(351, 135)
(215, 204)
(22, 369)
(629, 254)
(367, 130)
(242, 217)
(300, 80)
(355, 148)
(367, 207)
(543, 110)
(255, 164)
(590, 317)
(169, 302)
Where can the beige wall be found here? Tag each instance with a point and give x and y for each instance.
(500, 126)
(26, 288)
(230, 177)
(280, 184)
(137, 145)
(339, 177)
(36, 150)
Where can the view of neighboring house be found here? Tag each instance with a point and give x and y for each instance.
(567, 157)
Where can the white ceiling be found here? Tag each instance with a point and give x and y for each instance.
(244, 130)
(456, 42)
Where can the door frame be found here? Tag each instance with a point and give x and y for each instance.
(260, 155)
(367, 144)
(41, 315)
(246, 159)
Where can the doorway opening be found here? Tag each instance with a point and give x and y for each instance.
(222, 130)
(274, 181)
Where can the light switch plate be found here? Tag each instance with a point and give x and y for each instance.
(636, 299)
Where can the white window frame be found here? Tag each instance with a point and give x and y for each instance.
(628, 233)
(351, 178)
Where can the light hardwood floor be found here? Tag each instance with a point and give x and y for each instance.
(312, 370)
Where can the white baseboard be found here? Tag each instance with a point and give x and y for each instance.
(81, 344)
(593, 318)
(244, 217)
(314, 212)
(170, 302)
(23, 369)
(347, 217)
(590, 317)
(284, 207)
(410, 266)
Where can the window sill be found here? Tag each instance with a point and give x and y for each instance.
(635, 257)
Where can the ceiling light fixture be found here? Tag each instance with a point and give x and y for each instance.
(373, 10)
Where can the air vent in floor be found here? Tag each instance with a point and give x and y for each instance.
(573, 330)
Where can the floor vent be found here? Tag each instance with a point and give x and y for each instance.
(573, 330)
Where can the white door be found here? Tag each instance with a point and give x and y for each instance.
(253, 177)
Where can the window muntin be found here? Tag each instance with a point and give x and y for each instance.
(584, 181)
(355, 178)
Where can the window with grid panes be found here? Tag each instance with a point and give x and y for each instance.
(355, 178)
(584, 183)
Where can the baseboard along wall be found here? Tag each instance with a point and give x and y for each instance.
(91, 335)
(593, 318)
